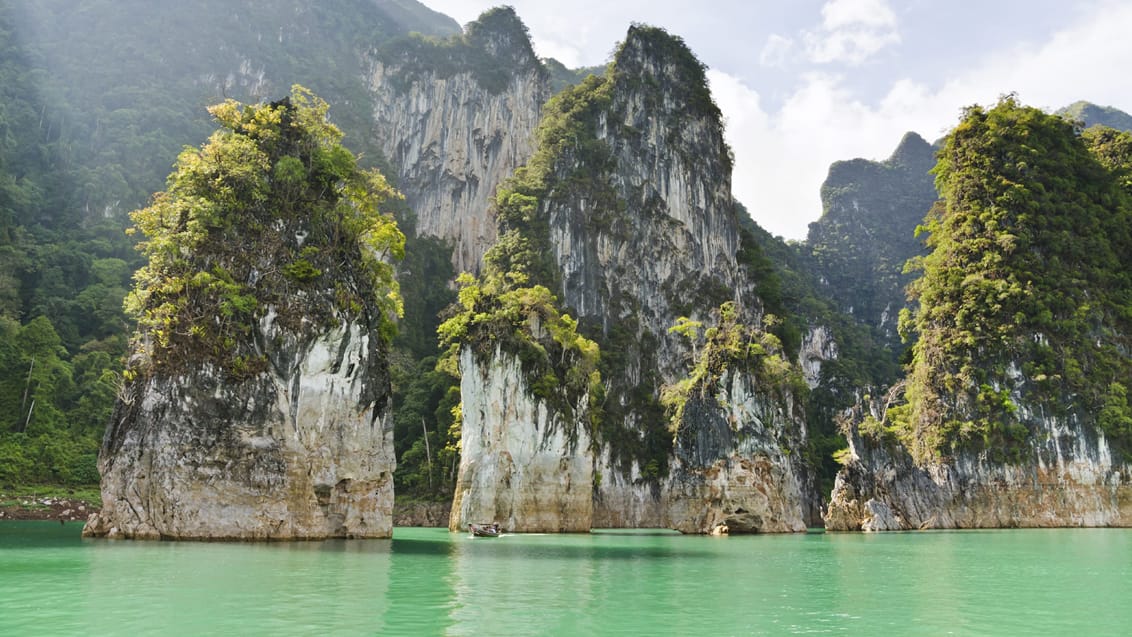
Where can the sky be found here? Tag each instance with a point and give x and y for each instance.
(804, 83)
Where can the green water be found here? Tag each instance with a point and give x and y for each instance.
(430, 582)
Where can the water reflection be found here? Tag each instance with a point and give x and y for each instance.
(431, 582)
(422, 590)
(212, 588)
(519, 584)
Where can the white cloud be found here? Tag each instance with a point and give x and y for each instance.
(567, 54)
(783, 156)
(776, 51)
(852, 31)
(841, 14)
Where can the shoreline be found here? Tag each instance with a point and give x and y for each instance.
(18, 504)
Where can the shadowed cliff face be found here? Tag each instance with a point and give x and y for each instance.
(455, 120)
(867, 232)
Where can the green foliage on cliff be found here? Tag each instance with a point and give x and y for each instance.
(729, 346)
(681, 67)
(1027, 291)
(502, 310)
(494, 48)
(562, 77)
(252, 223)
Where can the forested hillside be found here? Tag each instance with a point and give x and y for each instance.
(95, 105)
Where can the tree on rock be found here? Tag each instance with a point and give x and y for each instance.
(1024, 299)
(261, 217)
(256, 402)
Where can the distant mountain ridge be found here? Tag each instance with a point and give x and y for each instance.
(1091, 115)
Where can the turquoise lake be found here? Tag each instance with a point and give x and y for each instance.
(432, 582)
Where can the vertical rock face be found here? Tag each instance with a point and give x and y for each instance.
(257, 396)
(300, 451)
(867, 232)
(671, 237)
(1067, 477)
(667, 248)
(455, 127)
(640, 229)
(1013, 411)
(524, 467)
(734, 467)
(818, 346)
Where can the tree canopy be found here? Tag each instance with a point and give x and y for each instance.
(272, 212)
(1026, 291)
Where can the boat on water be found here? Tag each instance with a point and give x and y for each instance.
(484, 530)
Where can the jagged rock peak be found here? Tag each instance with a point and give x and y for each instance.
(411, 15)
(1089, 114)
(501, 33)
(495, 48)
(652, 58)
(913, 153)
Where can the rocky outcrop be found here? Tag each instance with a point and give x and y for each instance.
(425, 513)
(662, 243)
(455, 127)
(634, 196)
(257, 395)
(523, 464)
(818, 346)
(1067, 477)
(735, 467)
(867, 232)
(301, 451)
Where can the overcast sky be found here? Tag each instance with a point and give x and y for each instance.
(803, 83)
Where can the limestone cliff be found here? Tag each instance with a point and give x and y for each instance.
(455, 119)
(1013, 411)
(300, 451)
(735, 464)
(1067, 476)
(660, 242)
(524, 467)
(625, 212)
(867, 232)
(256, 402)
